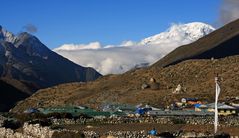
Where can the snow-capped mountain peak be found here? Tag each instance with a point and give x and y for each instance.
(7, 36)
(189, 32)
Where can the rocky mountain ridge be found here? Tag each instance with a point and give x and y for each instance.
(26, 59)
(27, 65)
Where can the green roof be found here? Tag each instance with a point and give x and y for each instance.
(75, 111)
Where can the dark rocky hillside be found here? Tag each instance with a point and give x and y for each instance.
(26, 59)
(9, 96)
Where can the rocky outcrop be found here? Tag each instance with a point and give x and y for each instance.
(178, 90)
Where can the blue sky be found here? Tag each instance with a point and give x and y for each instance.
(106, 21)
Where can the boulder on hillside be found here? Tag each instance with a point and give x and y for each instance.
(153, 84)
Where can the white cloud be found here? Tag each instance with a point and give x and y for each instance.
(128, 43)
(229, 11)
(92, 45)
(125, 56)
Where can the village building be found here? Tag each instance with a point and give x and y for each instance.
(227, 110)
(223, 109)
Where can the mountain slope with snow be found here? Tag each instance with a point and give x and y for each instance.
(219, 44)
(186, 32)
(114, 59)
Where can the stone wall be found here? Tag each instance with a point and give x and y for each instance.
(128, 134)
(144, 134)
(9, 133)
(117, 134)
(195, 120)
(37, 131)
